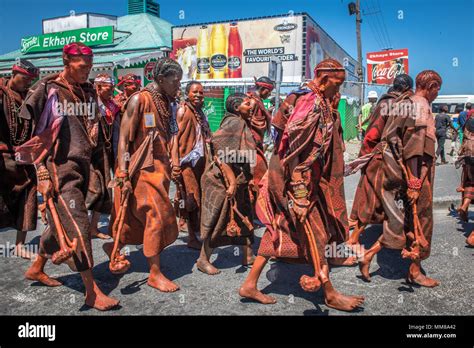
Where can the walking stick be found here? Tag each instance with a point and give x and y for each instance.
(233, 228)
(419, 240)
(66, 247)
(117, 264)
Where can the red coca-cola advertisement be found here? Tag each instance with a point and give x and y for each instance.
(384, 66)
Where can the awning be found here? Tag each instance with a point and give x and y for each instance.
(101, 62)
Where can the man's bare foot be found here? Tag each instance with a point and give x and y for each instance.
(254, 294)
(422, 280)
(364, 267)
(19, 251)
(98, 300)
(97, 234)
(162, 283)
(194, 244)
(342, 261)
(343, 302)
(42, 277)
(248, 261)
(463, 215)
(470, 239)
(207, 267)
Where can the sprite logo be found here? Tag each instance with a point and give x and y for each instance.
(29, 43)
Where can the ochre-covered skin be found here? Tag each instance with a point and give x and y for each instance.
(367, 207)
(407, 180)
(301, 201)
(150, 217)
(18, 183)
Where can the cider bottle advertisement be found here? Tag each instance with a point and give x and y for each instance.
(239, 49)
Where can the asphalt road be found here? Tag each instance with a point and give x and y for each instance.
(451, 262)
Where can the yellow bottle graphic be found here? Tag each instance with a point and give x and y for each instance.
(219, 51)
(203, 54)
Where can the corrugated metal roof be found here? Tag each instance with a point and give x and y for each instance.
(105, 60)
(143, 32)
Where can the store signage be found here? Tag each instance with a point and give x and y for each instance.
(54, 41)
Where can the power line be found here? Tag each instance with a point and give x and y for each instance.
(384, 25)
(375, 30)
(375, 13)
(380, 22)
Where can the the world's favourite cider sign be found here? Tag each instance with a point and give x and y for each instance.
(54, 41)
(239, 49)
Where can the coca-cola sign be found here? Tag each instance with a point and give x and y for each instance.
(384, 66)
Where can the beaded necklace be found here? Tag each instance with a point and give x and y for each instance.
(202, 122)
(14, 121)
(86, 126)
(162, 107)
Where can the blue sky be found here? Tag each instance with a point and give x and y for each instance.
(438, 34)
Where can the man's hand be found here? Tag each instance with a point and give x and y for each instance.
(300, 208)
(176, 172)
(126, 187)
(413, 196)
(45, 188)
(230, 192)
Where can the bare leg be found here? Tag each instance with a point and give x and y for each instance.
(20, 242)
(352, 223)
(94, 296)
(249, 287)
(248, 258)
(36, 272)
(364, 264)
(416, 277)
(342, 261)
(182, 225)
(203, 263)
(354, 237)
(94, 230)
(193, 230)
(470, 239)
(339, 301)
(463, 209)
(157, 279)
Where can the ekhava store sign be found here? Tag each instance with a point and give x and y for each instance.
(54, 41)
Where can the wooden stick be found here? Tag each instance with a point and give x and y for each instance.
(67, 248)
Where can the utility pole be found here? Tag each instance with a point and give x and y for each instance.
(355, 9)
(359, 52)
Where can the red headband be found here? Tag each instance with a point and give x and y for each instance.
(328, 69)
(129, 80)
(265, 85)
(73, 49)
(34, 73)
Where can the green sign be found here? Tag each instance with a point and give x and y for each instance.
(55, 41)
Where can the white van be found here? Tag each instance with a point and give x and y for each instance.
(455, 103)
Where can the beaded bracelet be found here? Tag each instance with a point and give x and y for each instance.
(415, 184)
(122, 173)
(43, 175)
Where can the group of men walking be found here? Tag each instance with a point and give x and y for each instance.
(84, 150)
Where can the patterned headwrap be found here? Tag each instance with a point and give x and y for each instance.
(75, 49)
(104, 79)
(26, 68)
(265, 82)
(129, 78)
